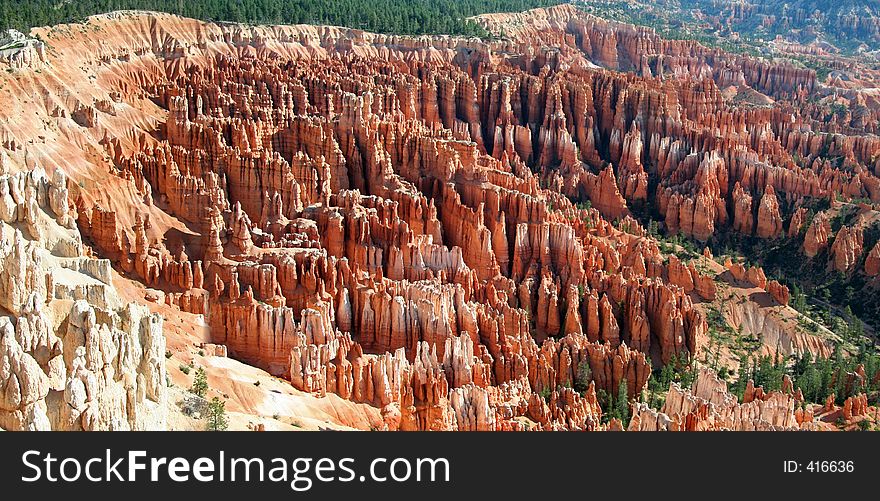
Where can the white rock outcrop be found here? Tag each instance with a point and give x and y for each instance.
(72, 356)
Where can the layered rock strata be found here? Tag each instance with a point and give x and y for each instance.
(439, 227)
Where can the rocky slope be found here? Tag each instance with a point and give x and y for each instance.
(74, 357)
(849, 23)
(394, 223)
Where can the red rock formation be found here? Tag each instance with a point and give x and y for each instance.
(606, 196)
(404, 222)
(855, 406)
(754, 276)
(689, 279)
(709, 406)
(290, 282)
(779, 292)
(847, 248)
(872, 262)
(817, 235)
(769, 223)
(633, 177)
(743, 221)
(797, 222)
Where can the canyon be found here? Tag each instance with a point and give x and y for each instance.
(365, 231)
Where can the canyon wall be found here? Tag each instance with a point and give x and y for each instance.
(439, 227)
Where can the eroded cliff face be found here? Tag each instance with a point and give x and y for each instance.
(72, 356)
(399, 221)
(708, 406)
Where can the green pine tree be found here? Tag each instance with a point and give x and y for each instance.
(200, 383)
(622, 403)
(217, 420)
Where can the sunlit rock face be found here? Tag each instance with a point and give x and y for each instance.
(398, 221)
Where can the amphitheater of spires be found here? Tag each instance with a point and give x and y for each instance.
(402, 221)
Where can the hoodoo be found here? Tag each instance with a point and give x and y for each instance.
(415, 233)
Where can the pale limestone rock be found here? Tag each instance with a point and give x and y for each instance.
(23, 385)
